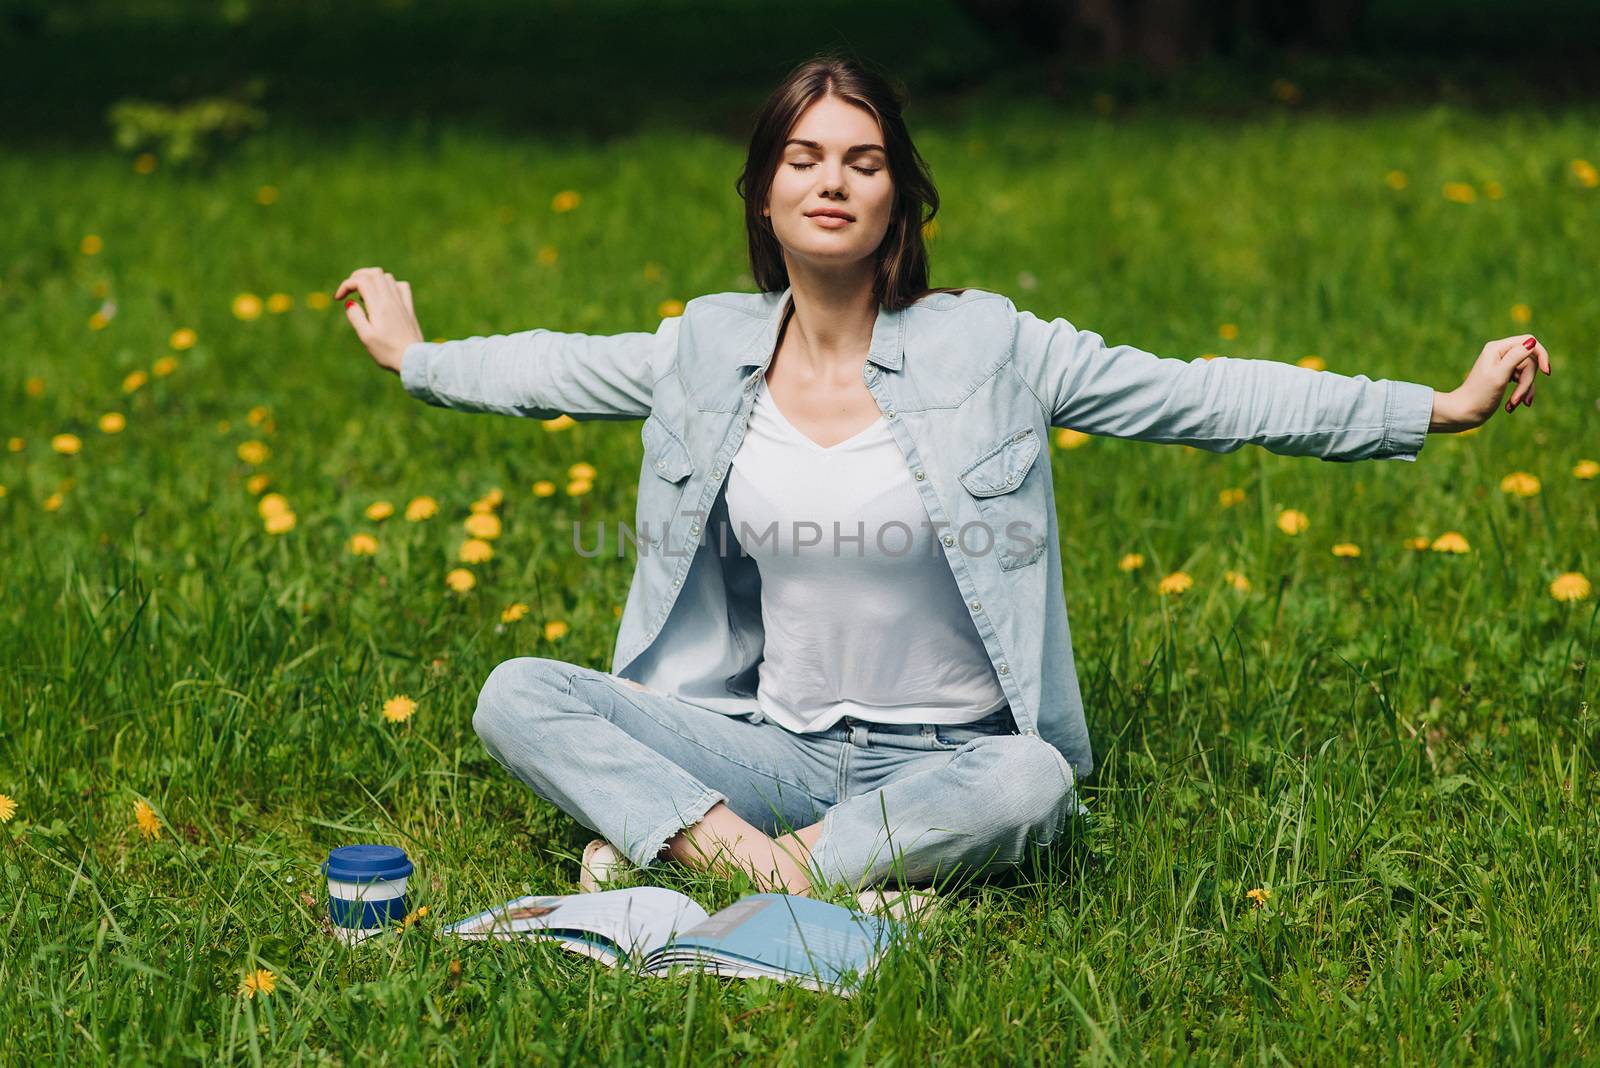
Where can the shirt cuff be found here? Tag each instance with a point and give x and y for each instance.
(415, 366)
(1406, 420)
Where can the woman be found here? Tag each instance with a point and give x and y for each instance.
(898, 700)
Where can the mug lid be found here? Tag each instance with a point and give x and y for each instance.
(367, 863)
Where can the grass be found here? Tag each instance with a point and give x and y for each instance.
(1400, 747)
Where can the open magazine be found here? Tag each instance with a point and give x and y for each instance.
(780, 936)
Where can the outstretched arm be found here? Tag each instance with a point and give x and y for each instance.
(1224, 403)
(537, 373)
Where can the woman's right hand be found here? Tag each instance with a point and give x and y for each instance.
(387, 325)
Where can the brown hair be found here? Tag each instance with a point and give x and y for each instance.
(901, 278)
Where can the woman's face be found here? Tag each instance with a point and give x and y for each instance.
(844, 168)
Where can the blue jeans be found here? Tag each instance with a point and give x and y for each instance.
(909, 802)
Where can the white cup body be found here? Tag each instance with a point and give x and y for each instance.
(382, 895)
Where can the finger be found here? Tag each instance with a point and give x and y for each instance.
(1544, 357)
(1523, 374)
(405, 295)
(354, 282)
(358, 319)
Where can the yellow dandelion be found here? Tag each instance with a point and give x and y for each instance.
(144, 817)
(421, 508)
(8, 809)
(182, 339)
(1292, 521)
(1586, 469)
(548, 254)
(1570, 586)
(565, 200)
(112, 423)
(52, 503)
(578, 487)
(1228, 331)
(413, 916)
(1396, 180)
(930, 229)
(267, 194)
(134, 381)
(66, 444)
(1347, 548)
(279, 522)
(1315, 363)
(246, 306)
(34, 387)
(91, 245)
(1286, 91)
(460, 579)
(256, 483)
(581, 470)
(1492, 190)
(2, 489)
(669, 308)
(164, 366)
(279, 303)
(484, 525)
(1450, 542)
(253, 452)
(494, 497)
(1418, 543)
(1175, 583)
(560, 422)
(1459, 192)
(1067, 438)
(1131, 562)
(652, 272)
(398, 709)
(257, 415)
(1236, 580)
(542, 488)
(144, 163)
(1208, 355)
(616, 610)
(363, 545)
(1231, 496)
(475, 551)
(15, 444)
(1520, 484)
(318, 300)
(1259, 896)
(554, 629)
(261, 981)
(513, 612)
(272, 504)
(1585, 173)
(1521, 313)
(378, 511)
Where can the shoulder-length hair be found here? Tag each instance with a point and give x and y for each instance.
(901, 278)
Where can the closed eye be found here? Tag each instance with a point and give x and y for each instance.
(863, 170)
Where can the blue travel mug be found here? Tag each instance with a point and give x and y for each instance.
(366, 889)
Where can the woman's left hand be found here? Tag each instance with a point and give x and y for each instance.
(1506, 361)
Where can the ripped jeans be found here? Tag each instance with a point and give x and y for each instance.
(912, 803)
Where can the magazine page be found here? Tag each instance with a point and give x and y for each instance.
(782, 936)
(604, 925)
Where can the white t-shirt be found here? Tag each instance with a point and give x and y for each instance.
(863, 617)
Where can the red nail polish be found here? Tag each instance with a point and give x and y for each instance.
(1529, 344)
(348, 303)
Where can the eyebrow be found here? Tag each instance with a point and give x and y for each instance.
(852, 150)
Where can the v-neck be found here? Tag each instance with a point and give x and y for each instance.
(777, 412)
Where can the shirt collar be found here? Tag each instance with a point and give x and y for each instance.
(888, 337)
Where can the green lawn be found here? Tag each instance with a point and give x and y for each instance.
(1399, 746)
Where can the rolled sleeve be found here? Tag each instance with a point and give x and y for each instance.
(1406, 420)
(414, 363)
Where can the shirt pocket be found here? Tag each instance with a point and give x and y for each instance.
(667, 467)
(1007, 483)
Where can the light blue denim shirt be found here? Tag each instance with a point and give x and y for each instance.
(969, 386)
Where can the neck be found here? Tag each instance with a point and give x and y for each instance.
(834, 313)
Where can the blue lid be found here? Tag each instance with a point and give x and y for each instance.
(367, 863)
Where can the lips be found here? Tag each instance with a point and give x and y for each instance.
(828, 213)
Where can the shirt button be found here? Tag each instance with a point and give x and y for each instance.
(718, 470)
(1031, 731)
(890, 413)
(1005, 669)
(949, 539)
(660, 464)
(871, 370)
(974, 605)
(676, 583)
(919, 474)
(694, 528)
